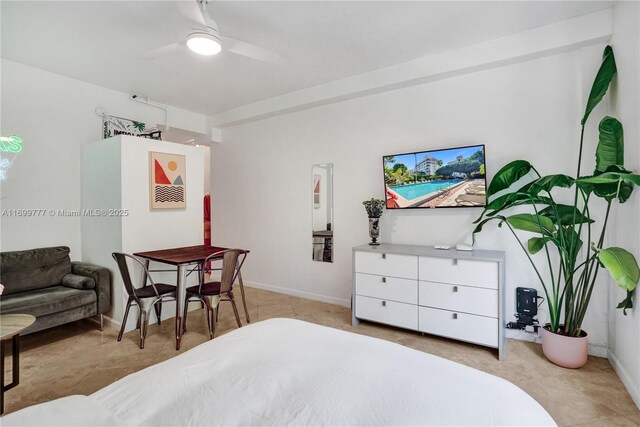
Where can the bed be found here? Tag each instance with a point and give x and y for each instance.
(289, 372)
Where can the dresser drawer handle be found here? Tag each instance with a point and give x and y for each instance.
(455, 261)
(384, 280)
(384, 303)
(455, 316)
(455, 289)
(384, 256)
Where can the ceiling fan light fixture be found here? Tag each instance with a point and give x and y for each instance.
(204, 43)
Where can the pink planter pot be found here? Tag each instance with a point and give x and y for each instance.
(565, 351)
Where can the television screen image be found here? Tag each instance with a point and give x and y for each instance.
(452, 177)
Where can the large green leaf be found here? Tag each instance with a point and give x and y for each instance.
(622, 266)
(481, 224)
(565, 215)
(508, 175)
(484, 221)
(547, 183)
(510, 200)
(534, 223)
(615, 168)
(610, 149)
(609, 178)
(635, 179)
(626, 303)
(505, 201)
(625, 191)
(572, 242)
(601, 83)
(622, 191)
(535, 244)
(610, 184)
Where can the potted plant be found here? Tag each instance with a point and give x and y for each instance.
(374, 209)
(565, 236)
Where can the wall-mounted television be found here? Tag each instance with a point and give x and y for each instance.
(447, 178)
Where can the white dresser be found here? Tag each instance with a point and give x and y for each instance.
(454, 294)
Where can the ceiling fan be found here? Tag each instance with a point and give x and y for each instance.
(205, 38)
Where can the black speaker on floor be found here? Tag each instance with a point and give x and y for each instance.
(526, 301)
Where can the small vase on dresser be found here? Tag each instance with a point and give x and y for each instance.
(374, 209)
(374, 230)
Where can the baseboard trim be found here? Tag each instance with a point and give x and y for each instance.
(593, 350)
(624, 377)
(110, 323)
(598, 350)
(298, 293)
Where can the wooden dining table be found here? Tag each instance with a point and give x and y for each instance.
(182, 258)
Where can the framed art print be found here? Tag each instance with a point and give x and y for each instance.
(167, 183)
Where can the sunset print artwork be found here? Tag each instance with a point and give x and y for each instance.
(167, 189)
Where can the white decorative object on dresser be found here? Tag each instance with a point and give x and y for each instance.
(454, 294)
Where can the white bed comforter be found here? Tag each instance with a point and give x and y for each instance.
(288, 372)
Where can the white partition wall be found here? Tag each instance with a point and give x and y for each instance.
(115, 179)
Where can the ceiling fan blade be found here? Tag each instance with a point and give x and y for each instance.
(252, 51)
(193, 11)
(170, 49)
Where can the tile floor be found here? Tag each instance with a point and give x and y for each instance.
(79, 359)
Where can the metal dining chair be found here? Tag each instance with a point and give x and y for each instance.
(145, 296)
(211, 293)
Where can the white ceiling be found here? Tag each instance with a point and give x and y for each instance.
(102, 42)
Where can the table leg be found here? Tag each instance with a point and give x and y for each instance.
(15, 373)
(180, 295)
(16, 361)
(244, 299)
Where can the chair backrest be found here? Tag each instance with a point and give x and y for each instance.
(121, 260)
(232, 260)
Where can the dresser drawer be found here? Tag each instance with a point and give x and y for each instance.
(389, 312)
(482, 274)
(462, 326)
(392, 288)
(394, 265)
(467, 299)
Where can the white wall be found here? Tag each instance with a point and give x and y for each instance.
(119, 168)
(529, 110)
(624, 331)
(144, 228)
(101, 178)
(55, 115)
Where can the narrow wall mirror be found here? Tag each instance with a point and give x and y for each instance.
(322, 212)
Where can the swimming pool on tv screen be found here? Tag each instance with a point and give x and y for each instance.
(414, 191)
